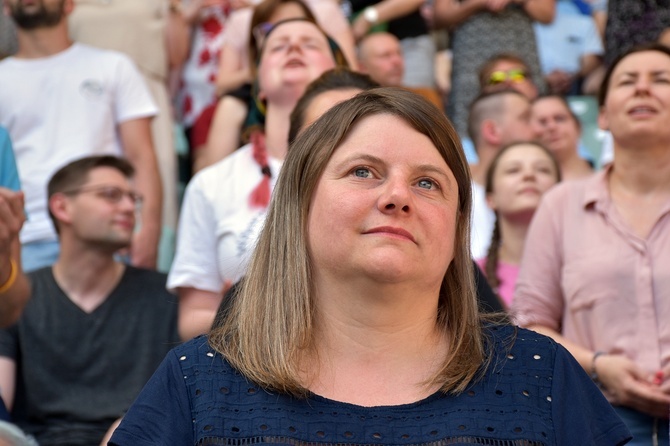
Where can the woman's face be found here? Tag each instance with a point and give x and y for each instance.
(637, 105)
(384, 208)
(294, 55)
(554, 125)
(523, 174)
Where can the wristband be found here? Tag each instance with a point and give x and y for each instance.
(594, 373)
(371, 15)
(13, 274)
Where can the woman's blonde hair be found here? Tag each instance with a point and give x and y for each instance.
(270, 324)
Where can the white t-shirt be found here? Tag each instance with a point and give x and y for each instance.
(483, 219)
(218, 227)
(63, 107)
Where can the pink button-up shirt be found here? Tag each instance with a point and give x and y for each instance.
(586, 274)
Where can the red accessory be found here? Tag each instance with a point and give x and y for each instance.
(260, 196)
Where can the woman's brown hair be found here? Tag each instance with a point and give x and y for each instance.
(270, 326)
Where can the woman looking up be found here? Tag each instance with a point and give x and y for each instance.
(225, 204)
(516, 180)
(594, 273)
(357, 322)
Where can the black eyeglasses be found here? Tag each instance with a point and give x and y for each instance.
(110, 194)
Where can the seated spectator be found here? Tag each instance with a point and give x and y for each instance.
(217, 231)
(570, 49)
(559, 129)
(380, 56)
(357, 322)
(516, 179)
(94, 329)
(69, 100)
(496, 119)
(593, 274)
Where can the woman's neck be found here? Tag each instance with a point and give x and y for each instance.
(376, 345)
(513, 237)
(277, 123)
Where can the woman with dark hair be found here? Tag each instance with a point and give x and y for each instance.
(594, 274)
(515, 181)
(225, 204)
(357, 322)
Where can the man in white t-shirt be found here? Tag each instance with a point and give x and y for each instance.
(496, 119)
(61, 101)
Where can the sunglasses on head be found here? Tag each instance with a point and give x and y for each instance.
(514, 75)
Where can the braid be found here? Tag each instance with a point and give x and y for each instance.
(491, 268)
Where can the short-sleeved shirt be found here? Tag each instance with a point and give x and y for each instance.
(586, 274)
(533, 393)
(562, 43)
(218, 228)
(63, 107)
(78, 372)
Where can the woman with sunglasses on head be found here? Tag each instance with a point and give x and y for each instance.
(481, 29)
(225, 204)
(559, 129)
(594, 275)
(357, 322)
(516, 180)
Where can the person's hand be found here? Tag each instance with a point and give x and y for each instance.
(559, 82)
(191, 11)
(630, 386)
(497, 5)
(12, 218)
(144, 249)
(360, 27)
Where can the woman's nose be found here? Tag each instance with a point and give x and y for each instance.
(396, 196)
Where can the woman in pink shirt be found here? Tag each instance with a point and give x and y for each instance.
(594, 274)
(516, 180)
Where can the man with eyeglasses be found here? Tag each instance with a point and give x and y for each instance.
(94, 329)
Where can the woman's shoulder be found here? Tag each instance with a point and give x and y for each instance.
(521, 357)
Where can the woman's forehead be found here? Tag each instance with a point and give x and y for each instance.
(299, 28)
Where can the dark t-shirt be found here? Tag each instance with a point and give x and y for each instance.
(78, 372)
(533, 393)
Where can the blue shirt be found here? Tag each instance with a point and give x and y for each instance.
(562, 43)
(9, 175)
(533, 393)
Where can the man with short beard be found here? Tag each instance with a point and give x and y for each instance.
(62, 100)
(94, 329)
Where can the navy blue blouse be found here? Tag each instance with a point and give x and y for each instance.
(533, 393)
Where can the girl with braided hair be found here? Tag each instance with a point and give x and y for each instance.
(515, 182)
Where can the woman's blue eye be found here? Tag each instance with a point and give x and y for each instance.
(426, 184)
(362, 172)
